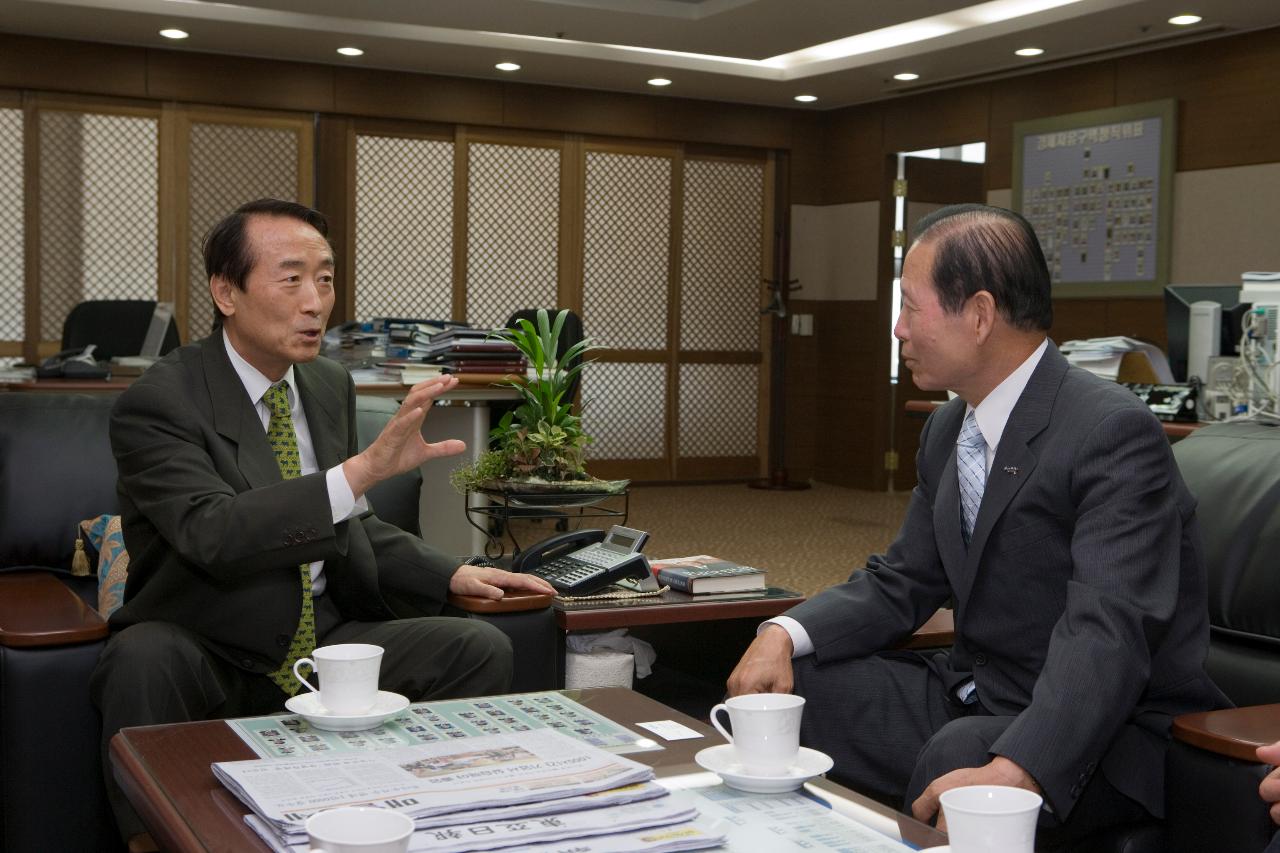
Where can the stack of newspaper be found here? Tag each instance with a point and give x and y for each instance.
(1102, 356)
(477, 793)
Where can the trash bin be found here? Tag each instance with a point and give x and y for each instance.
(606, 659)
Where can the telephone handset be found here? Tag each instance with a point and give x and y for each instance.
(582, 562)
(74, 363)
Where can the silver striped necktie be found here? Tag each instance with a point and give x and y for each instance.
(971, 468)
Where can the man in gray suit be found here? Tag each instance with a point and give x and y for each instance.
(1049, 508)
(242, 499)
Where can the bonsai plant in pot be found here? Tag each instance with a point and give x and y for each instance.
(539, 447)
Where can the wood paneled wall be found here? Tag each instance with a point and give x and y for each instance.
(1227, 117)
(1225, 89)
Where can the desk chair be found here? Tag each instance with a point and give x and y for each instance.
(117, 326)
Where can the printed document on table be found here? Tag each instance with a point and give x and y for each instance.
(775, 823)
(289, 736)
(497, 834)
(429, 779)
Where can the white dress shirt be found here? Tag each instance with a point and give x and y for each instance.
(342, 501)
(993, 415)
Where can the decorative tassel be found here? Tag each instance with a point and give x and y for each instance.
(80, 560)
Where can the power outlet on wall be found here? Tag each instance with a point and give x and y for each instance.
(802, 324)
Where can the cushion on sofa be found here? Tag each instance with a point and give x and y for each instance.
(107, 541)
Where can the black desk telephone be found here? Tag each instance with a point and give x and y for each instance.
(582, 562)
(74, 363)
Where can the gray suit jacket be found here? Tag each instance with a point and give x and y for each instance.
(215, 536)
(1080, 602)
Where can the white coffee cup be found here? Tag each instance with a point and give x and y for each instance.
(991, 819)
(359, 829)
(766, 730)
(348, 676)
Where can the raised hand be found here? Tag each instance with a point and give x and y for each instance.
(400, 445)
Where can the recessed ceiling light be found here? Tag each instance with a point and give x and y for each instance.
(1029, 51)
(659, 81)
(906, 76)
(350, 51)
(507, 66)
(1184, 20)
(806, 99)
(173, 34)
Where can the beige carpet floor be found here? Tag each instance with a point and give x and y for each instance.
(806, 540)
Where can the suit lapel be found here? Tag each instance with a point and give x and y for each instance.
(235, 418)
(946, 516)
(323, 406)
(1014, 460)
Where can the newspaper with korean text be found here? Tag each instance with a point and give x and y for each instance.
(430, 779)
(577, 826)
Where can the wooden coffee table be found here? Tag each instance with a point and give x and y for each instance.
(165, 772)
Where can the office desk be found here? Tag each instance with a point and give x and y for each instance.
(1173, 429)
(165, 772)
(461, 413)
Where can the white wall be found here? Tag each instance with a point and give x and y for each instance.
(1225, 222)
(834, 251)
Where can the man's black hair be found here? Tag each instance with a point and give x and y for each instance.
(979, 247)
(226, 249)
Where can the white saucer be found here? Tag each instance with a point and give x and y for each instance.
(307, 706)
(723, 761)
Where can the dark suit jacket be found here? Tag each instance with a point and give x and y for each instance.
(1080, 603)
(215, 536)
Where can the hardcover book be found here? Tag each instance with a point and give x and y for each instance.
(704, 573)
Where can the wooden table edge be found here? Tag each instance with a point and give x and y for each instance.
(153, 805)
(671, 614)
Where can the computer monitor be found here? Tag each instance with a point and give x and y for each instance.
(153, 345)
(1177, 317)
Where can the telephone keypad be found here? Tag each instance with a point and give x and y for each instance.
(570, 574)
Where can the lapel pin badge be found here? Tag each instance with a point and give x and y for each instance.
(1011, 469)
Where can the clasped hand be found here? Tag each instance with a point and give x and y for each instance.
(999, 771)
(1270, 787)
(400, 446)
(765, 666)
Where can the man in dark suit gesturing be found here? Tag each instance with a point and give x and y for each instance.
(244, 515)
(1049, 508)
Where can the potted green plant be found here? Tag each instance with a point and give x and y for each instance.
(539, 447)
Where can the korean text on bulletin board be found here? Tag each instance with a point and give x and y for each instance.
(1097, 187)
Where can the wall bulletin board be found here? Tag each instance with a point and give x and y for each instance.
(1098, 189)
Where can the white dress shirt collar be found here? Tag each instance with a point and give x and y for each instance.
(252, 379)
(993, 412)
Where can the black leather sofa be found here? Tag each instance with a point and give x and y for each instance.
(56, 469)
(1212, 774)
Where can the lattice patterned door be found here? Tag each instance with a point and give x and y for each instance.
(232, 160)
(12, 235)
(719, 385)
(513, 230)
(98, 208)
(404, 227)
(625, 309)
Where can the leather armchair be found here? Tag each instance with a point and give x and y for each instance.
(56, 469)
(1212, 775)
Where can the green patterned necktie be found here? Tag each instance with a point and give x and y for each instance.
(285, 444)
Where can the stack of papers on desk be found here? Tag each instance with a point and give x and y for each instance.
(470, 794)
(1102, 356)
